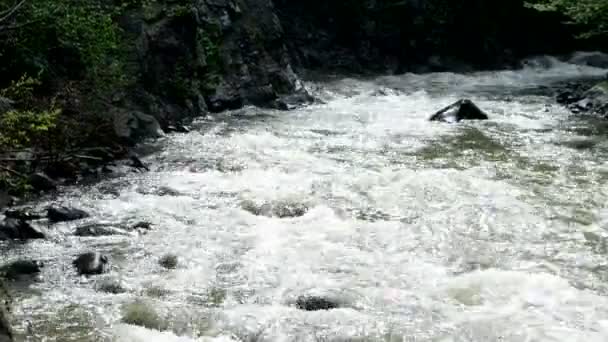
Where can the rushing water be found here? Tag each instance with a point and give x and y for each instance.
(422, 231)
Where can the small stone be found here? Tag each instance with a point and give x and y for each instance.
(142, 225)
(91, 263)
(169, 261)
(315, 303)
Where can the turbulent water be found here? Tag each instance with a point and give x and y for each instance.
(420, 231)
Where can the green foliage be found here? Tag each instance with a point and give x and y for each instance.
(21, 90)
(590, 13)
(21, 128)
(56, 37)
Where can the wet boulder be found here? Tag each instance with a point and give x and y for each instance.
(15, 229)
(593, 101)
(21, 269)
(91, 263)
(314, 303)
(133, 126)
(63, 214)
(461, 110)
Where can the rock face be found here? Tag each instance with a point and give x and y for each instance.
(458, 111)
(414, 35)
(212, 55)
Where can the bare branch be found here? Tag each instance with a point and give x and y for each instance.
(9, 12)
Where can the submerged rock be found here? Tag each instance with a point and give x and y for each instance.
(314, 303)
(280, 209)
(461, 110)
(91, 263)
(293, 101)
(63, 214)
(96, 230)
(21, 268)
(142, 225)
(168, 261)
(15, 229)
(110, 285)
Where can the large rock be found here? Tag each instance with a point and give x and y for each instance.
(458, 111)
(134, 125)
(91, 263)
(41, 182)
(15, 229)
(63, 214)
(595, 100)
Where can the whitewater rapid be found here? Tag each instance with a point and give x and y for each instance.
(422, 231)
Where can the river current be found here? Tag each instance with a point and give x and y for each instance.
(422, 231)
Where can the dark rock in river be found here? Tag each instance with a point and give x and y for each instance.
(91, 263)
(168, 261)
(22, 214)
(41, 182)
(142, 225)
(584, 97)
(458, 111)
(96, 230)
(315, 303)
(63, 214)
(15, 229)
(20, 269)
(133, 126)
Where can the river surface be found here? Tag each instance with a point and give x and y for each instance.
(421, 231)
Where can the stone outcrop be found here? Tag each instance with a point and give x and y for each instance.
(419, 36)
(209, 56)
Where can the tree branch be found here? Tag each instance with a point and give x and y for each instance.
(9, 12)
